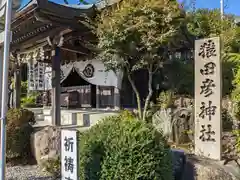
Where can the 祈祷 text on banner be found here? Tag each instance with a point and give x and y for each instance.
(69, 160)
(208, 122)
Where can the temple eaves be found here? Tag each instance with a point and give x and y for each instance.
(40, 19)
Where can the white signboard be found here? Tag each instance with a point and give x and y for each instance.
(69, 155)
(208, 123)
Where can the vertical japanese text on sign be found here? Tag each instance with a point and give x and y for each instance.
(69, 155)
(207, 49)
(208, 97)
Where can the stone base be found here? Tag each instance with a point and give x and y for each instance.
(198, 168)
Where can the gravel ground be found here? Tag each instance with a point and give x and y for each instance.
(26, 173)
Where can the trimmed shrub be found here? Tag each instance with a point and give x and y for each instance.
(123, 149)
(53, 166)
(127, 114)
(18, 132)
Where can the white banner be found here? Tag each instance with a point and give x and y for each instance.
(65, 71)
(48, 78)
(91, 71)
(95, 73)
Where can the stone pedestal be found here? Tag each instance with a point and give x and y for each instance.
(46, 144)
(205, 169)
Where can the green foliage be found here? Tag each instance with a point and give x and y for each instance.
(236, 81)
(135, 31)
(165, 99)
(204, 23)
(126, 114)
(53, 166)
(227, 121)
(18, 133)
(235, 94)
(228, 72)
(136, 35)
(24, 88)
(124, 149)
(237, 134)
(179, 76)
(29, 100)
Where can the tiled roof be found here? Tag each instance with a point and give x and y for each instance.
(99, 4)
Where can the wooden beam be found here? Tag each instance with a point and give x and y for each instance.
(41, 35)
(80, 50)
(63, 22)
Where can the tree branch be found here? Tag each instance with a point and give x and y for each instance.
(137, 96)
(150, 91)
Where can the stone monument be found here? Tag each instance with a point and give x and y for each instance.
(208, 123)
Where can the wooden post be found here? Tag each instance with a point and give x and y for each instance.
(56, 88)
(97, 97)
(17, 82)
(17, 86)
(116, 98)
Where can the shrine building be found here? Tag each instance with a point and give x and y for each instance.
(57, 50)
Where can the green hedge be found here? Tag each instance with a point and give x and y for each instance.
(123, 149)
(18, 132)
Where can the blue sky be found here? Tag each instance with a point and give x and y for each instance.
(232, 5)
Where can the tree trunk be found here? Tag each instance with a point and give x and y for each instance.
(150, 92)
(137, 96)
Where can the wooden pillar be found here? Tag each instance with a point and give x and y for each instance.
(17, 82)
(17, 86)
(97, 97)
(56, 88)
(116, 98)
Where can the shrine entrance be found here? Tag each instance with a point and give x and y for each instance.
(73, 79)
(85, 91)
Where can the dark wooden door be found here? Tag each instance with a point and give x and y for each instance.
(85, 96)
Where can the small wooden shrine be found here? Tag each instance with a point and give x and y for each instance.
(57, 47)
